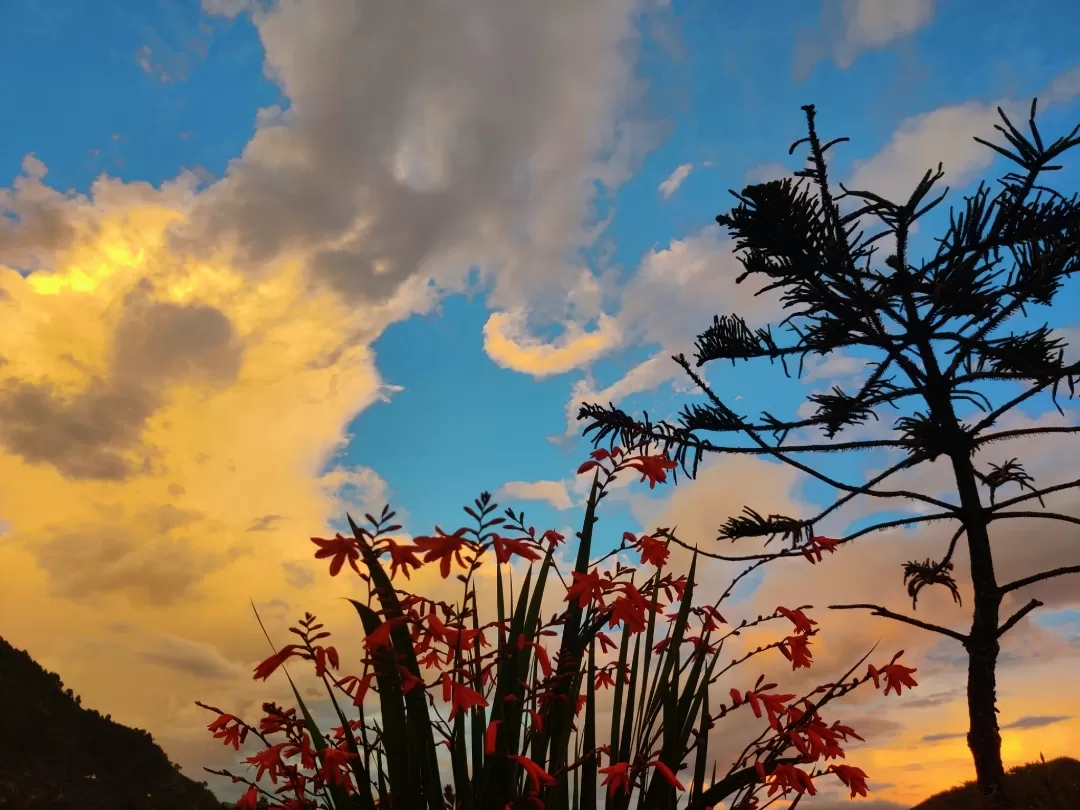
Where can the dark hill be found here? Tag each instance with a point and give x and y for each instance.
(1053, 785)
(55, 754)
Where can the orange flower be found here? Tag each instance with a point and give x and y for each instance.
(340, 548)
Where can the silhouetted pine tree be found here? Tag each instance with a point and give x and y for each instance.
(938, 323)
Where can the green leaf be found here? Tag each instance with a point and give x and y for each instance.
(395, 735)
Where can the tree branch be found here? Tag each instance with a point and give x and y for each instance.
(1013, 434)
(888, 614)
(1022, 583)
(888, 524)
(1038, 493)
(1021, 613)
(1047, 515)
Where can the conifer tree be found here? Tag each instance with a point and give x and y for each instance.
(940, 329)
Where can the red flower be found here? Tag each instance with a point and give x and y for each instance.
(491, 736)
(854, 778)
(585, 588)
(653, 551)
(379, 637)
(802, 623)
(401, 557)
(504, 547)
(232, 736)
(536, 774)
(605, 642)
(268, 760)
(356, 688)
(340, 548)
(444, 547)
(788, 777)
(267, 667)
(653, 468)
(896, 675)
(334, 762)
(462, 698)
(665, 772)
(322, 656)
(812, 551)
(304, 749)
(616, 777)
(774, 705)
(250, 799)
(796, 649)
(552, 537)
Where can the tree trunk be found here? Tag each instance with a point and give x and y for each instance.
(983, 737)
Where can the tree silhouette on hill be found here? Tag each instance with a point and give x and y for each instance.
(936, 327)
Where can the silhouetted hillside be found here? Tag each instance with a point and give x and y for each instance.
(55, 754)
(1053, 785)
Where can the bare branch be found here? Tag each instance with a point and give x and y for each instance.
(1036, 494)
(1022, 583)
(877, 610)
(1013, 434)
(1021, 613)
(1047, 515)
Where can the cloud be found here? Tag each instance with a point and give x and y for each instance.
(554, 492)
(946, 135)
(1020, 724)
(671, 298)
(675, 179)
(849, 27)
(477, 141)
(509, 346)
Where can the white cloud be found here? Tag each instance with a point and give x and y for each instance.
(554, 492)
(675, 179)
(946, 135)
(765, 173)
(849, 27)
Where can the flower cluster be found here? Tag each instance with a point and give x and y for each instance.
(513, 700)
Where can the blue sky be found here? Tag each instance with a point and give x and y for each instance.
(693, 98)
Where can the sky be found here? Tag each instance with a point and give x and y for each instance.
(263, 263)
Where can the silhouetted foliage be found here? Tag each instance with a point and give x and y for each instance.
(56, 755)
(936, 328)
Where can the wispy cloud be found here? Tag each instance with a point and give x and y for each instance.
(675, 179)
